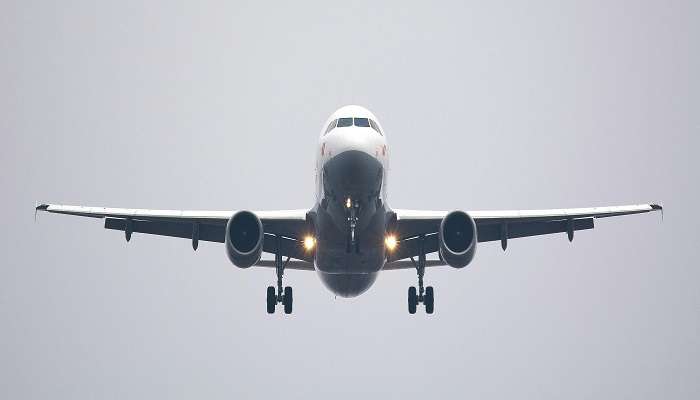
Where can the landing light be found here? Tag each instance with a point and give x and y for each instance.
(390, 242)
(348, 203)
(309, 243)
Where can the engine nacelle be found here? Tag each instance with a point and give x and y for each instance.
(244, 239)
(457, 238)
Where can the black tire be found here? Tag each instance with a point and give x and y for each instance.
(412, 300)
(271, 299)
(288, 299)
(429, 300)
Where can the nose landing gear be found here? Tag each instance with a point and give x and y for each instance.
(274, 297)
(422, 295)
(353, 210)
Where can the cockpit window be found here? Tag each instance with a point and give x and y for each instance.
(359, 122)
(375, 127)
(362, 122)
(343, 122)
(331, 125)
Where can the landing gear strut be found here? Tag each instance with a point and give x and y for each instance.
(422, 295)
(285, 297)
(353, 209)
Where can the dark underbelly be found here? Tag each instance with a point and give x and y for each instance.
(348, 285)
(348, 259)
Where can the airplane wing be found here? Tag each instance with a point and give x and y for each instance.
(503, 225)
(209, 226)
(291, 225)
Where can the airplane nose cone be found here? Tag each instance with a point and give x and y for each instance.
(353, 172)
(359, 139)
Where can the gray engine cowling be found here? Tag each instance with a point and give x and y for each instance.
(244, 239)
(458, 239)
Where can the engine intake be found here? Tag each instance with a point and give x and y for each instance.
(458, 239)
(244, 239)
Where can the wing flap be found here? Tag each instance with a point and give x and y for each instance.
(408, 264)
(291, 264)
(407, 248)
(288, 246)
(492, 232)
(207, 232)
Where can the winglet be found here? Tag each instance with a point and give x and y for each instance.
(658, 207)
(39, 207)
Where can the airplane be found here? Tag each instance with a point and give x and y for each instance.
(350, 234)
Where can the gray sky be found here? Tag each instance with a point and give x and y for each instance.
(217, 105)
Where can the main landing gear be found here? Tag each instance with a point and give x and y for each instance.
(422, 295)
(285, 297)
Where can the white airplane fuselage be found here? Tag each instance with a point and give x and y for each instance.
(351, 208)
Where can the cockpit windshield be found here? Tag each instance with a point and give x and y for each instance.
(359, 122)
(362, 122)
(343, 122)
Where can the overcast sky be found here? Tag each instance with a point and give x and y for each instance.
(218, 105)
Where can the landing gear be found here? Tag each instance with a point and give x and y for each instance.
(412, 300)
(353, 210)
(426, 297)
(279, 296)
(271, 299)
(287, 300)
(422, 295)
(429, 300)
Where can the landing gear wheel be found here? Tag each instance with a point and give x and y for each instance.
(412, 300)
(429, 300)
(424, 295)
(288, 298)
(271, 299)
(277, 294)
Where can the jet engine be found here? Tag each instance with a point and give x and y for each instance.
(457, 238)
(244, 239)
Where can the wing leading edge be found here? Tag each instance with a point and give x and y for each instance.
(504, 225)
(209, 226)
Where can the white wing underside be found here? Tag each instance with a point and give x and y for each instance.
(177, 215)
(552, 214)
(300, 214)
